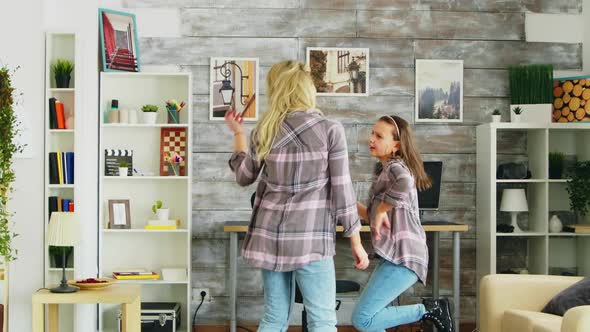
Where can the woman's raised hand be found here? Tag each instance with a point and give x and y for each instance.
(234, 121)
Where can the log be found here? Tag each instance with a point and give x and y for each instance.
(577, 90)
(562, 120)
(580, 114)
(571, 117)
(565, 111)
(574, 103)
(556, 115)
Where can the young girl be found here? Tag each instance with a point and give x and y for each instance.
(397, 235)
(304, 190)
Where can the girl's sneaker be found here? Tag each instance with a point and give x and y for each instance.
(439, 313)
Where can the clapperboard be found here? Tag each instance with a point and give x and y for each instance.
(113, 157)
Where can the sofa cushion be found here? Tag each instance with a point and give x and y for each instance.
(575, 295)
(527, 321)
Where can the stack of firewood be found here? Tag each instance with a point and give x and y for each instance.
(572, 100)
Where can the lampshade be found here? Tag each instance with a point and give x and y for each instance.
(62, 230)
(513, 200)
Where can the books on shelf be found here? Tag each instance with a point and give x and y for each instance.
(136, 275)
(160, 228)
(57, 116)
(578, 228)
(61, 167)
(59, 204)
(163, 224)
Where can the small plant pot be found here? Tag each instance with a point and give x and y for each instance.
(514, 117)
(58, 260)
(556, 172)
(150, 117)
(123, 171)
(62, 81)
(163, 214)
(496, 118)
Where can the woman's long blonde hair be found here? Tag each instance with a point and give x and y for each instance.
(408, 151)
(289, 88)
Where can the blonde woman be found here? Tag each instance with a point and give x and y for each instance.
(304, 190)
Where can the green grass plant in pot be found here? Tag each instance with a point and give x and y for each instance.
(62, 70)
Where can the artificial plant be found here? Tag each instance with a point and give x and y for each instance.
(531, 84)
(578, 187)
(8, 147)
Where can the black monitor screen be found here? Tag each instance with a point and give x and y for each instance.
(428, 199)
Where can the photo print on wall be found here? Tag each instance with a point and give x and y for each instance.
(439, 91)
(339, 71)
(234, 84)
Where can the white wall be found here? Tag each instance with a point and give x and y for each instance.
(22, 45)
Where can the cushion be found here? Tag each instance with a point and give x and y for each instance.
(576, 295)
(527, 321)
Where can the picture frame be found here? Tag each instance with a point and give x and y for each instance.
(118, 41)
(234, 83)
(119, 214)
(439, 91)
(571, 99)
(339, 71)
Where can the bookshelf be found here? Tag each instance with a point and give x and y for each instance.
(135, 247)
(535, 249)
(59, 45)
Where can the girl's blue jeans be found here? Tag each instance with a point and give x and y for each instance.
(373, 312)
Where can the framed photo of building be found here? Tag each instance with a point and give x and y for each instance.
(234, 84)
(339, 71)
(118, 40)
(439, 91)
(119, 214)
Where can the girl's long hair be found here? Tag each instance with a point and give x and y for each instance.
(289, 87)
(408, 151)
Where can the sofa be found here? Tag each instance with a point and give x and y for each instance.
(513, 303)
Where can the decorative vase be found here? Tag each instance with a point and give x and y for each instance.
(150, 117)
(62, 81)
(123, 116)
(132, 116)
(174, 169)
(555, 225)
(162, 214)
(496, 118)
(123, 171)
(114, 116)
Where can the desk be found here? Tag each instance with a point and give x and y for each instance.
(127, 295)
(234, 228)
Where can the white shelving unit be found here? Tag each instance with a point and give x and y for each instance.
(543, 252)
(59, 45)
(136, 247)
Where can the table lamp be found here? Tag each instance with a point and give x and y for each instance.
(63, 232)
(514, 201)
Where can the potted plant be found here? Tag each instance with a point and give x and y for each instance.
(150, 114)
(56, 254)
(515, 115)
(123, 168)
(531, 89)
(556, 163)
(62, 70)
(578, 187)
(161, 212)
(8, 133)
(496, 115)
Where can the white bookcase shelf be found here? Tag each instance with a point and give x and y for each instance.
(537, 250)
(59, 46)
(136, 247)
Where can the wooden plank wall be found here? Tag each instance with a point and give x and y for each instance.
(488, 35)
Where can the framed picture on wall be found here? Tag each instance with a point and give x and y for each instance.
(234, 85)
(339, 71)
(118, 40)
(119, 214)
(439, 91)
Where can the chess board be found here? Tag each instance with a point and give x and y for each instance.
(173, 140)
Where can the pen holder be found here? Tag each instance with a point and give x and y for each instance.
(173, 116)
(174, 169)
